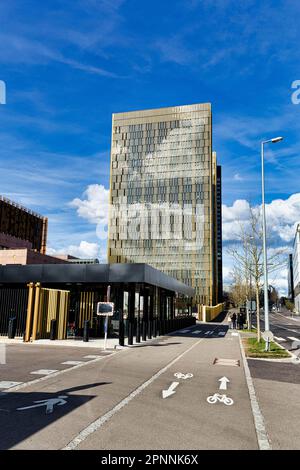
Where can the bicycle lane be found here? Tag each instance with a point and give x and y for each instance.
(80, 395)
(184, 419)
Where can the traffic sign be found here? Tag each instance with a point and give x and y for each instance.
(105, 308)
(268, 336)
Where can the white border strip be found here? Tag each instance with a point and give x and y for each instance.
(98, 423)
(261, 432)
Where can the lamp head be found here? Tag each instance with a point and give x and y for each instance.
(276, 139)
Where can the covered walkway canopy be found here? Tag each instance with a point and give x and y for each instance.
(142, 295)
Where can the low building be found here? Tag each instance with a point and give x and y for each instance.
(69, 294)
(22, 256)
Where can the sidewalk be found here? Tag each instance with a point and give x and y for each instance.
(112, 343)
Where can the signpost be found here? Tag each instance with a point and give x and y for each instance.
(106, 309)
(268, 337)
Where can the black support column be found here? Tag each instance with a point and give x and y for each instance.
(145, 317)
(131, 305)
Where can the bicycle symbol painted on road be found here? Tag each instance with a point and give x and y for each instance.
(180, 375)
(221, 398)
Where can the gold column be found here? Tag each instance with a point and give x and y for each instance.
(36, 310)
(29, 311)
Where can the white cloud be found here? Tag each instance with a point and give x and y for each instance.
(282, 216)
(83, 250)
(94, 207)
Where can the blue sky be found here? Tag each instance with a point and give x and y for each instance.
(68, 65)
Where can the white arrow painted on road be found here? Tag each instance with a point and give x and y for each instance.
(170, 391)
(223, 385)
(49, 404)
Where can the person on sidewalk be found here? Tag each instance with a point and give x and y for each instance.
(233, 318)
(229, 320)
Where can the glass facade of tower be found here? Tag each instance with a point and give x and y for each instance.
(163, 209)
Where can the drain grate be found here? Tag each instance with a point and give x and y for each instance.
(226, 362)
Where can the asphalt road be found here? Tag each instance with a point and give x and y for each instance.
(116, 402)
(277, 385)
(286, 329)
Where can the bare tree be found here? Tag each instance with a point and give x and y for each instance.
(248, 257)
(238, 289)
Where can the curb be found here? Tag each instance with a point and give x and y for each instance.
(261, 432)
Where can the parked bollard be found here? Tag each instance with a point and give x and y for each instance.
(150, 329)
(158, 327)
(138, 331)
(154, 328)
(12, 327)
(130, 332)
(144, 330)
(53, 330)
(121, 330)
(86, 330)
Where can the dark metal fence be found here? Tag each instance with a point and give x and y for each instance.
(13, 303)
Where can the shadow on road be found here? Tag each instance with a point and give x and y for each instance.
(24, 414)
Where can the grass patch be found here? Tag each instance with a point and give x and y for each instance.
(257, 349)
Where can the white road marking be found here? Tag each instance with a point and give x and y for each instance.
(49, 404)
(262, 436)
(196, 332)
(72, 363)
(170, 391)
(293, 338)
(221, 398)
(224, 381)
(46, 377)
(180, 375)
(91, 356)
(279, 339)
(7, 384)
(184, 331)
(222, 333)
(44, 371)
(98, 423)
(208, 332)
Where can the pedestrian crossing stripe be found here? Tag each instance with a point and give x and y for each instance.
(73, 363)
(7, 384)
(91, 356)
(293, 338)
(208, 332)
(44, 371)
(222, 333)
(196, 332)
(185, 331)
(279, 339)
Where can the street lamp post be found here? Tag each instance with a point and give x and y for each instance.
(266, 298)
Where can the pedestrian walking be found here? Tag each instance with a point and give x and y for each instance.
(233, 318)
(229, 320)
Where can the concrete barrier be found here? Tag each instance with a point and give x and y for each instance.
(208, 313)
